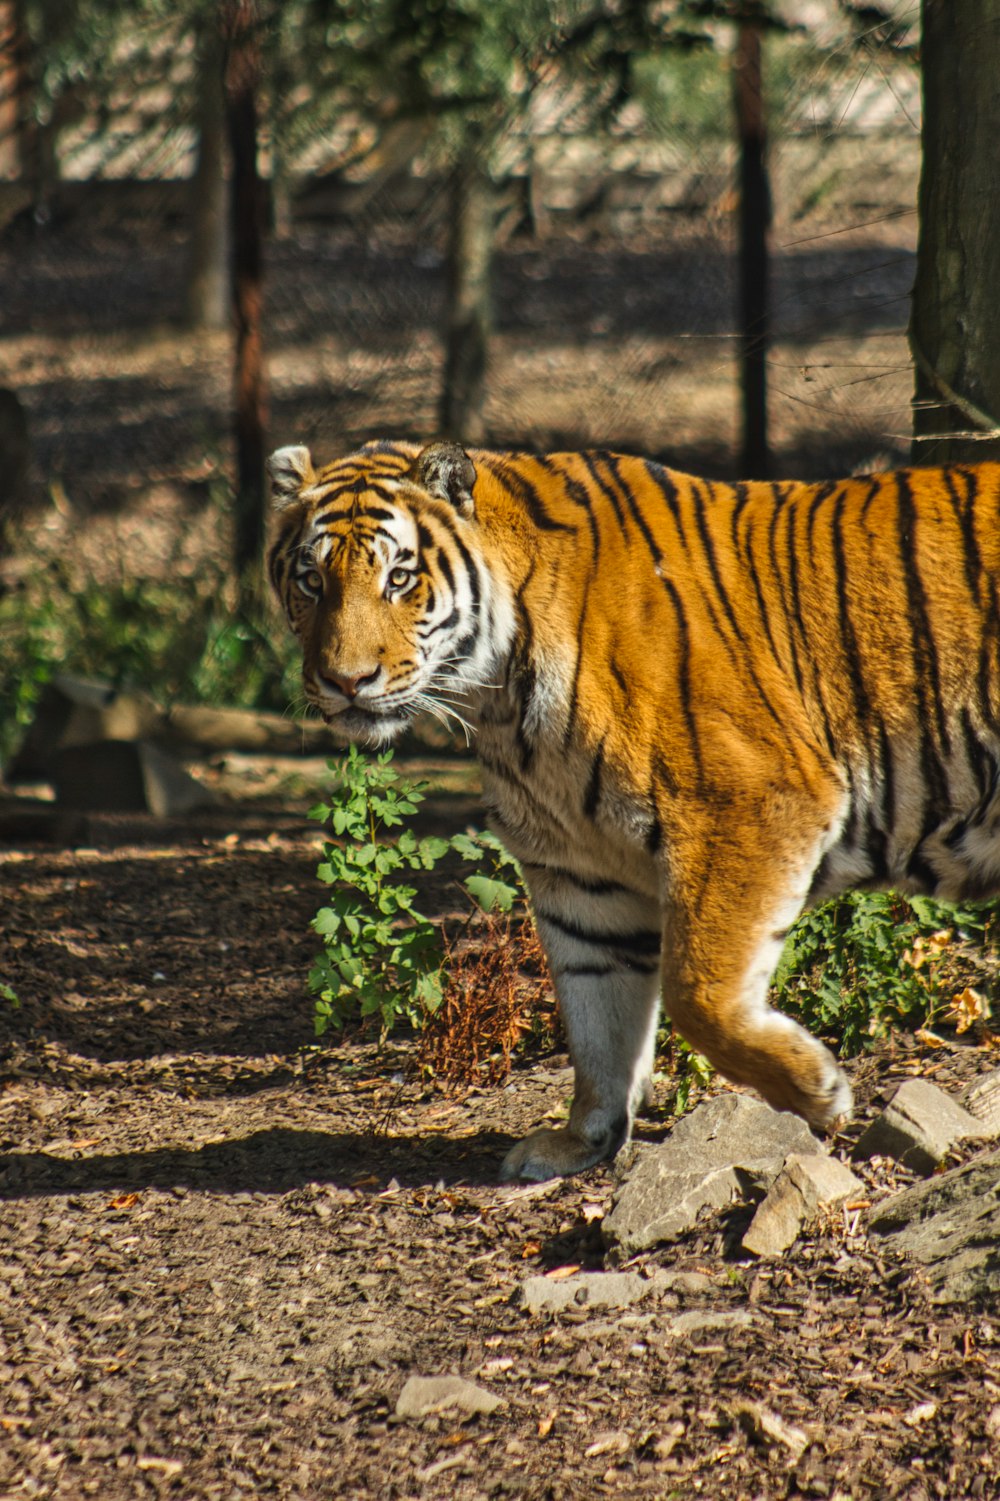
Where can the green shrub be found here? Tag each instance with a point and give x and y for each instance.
(380, 954)
(178, 643)
(868, 962)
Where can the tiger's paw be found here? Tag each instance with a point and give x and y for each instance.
(554, 1154)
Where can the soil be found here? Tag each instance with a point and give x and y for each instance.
(226, 1250)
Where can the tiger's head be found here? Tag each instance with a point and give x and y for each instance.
(379, 565)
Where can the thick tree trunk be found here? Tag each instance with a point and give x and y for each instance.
(754, 223)
(240, 31)
(208, 265)
(470, 257)
(955, 323)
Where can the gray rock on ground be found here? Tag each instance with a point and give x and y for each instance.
(603, 1289)
(804, 1186)
(731, 1147)
(422, 1395)
(951, 1225)
(918, 1127)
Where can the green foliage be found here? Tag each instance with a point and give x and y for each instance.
(380, 954)
(179, 643)
(688, 1069)
(858, 967)
(10, 996)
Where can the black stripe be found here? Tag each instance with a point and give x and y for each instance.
(965, 515)
(663, 481)
(578, 495)
(592, 796)
(684, 674)
(612, 464)
(772, 543)
(520, 487)
(582, 883)
(574, 692)
(925, 657)
(708, 549)
(848, 635)
(590, 460)
(640, 941)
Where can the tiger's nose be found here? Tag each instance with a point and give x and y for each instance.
(350, 684)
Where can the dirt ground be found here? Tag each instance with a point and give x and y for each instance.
(224, 1251)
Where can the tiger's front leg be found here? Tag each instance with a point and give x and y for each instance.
(603, 945)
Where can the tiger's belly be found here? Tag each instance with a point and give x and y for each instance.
(944, 844)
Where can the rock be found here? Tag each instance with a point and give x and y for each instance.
(601, 1289)
(918, 1127)
(683, 1325)
(732, 1146)
(804, 1185)
(124, 776)
(952, 1226)
(763, 1426)
(77, 711)
(426, 1394)
(982, 1099)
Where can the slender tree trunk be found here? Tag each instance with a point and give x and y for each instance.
(754, 223)
(208, 265)
(240, 31)
(955, 323)
(470, 257)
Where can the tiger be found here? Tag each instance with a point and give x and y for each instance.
(699, 707)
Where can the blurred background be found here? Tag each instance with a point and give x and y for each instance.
(686, 229)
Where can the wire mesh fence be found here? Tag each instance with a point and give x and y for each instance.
(614, 305)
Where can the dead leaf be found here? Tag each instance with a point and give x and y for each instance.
(545, 1424)
(123, 1201)
(559, 1272)
(529, 1249)
(967, 1008)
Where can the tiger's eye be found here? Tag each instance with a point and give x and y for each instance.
(312, 581)
(399, 577)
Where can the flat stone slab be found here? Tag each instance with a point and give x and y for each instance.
(603, 1289)
(918, 1127)
(951, 1225)
(731, 1147)
(805, 1185)
(125, 776)
(426, 1394)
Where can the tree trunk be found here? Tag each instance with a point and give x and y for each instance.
(754, 222)
(12, 91)
(240, 31)
(469, 317)
(955, 323)
(208, 265)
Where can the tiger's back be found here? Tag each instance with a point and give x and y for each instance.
(699, 708)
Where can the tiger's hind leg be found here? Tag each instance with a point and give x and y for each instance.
(725, 926)
(603, 951)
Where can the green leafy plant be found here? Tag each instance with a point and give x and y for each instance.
(868, 962)
(380, 954)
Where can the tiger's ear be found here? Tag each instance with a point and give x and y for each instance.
(291, 470)
(446, 472)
